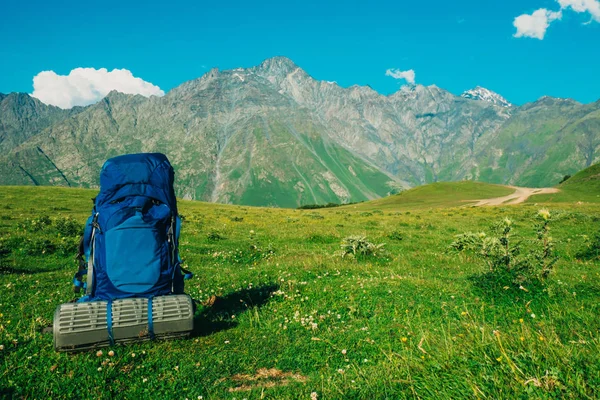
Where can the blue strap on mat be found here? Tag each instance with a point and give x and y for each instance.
(109, 322)
(150, 321)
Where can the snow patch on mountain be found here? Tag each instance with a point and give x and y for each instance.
(483, 94)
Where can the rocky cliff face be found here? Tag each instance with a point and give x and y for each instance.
(22, 116)
(273, 135)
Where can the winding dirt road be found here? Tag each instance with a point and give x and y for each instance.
(519, 196)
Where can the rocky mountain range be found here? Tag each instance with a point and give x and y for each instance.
(272, 135)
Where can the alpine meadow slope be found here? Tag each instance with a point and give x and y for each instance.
(272, 135)
(282, 314)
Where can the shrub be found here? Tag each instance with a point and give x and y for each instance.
(503, 257)
(360, 247)
(35, 224)
(395, 235)
(68, 227)
(317, 206)
(39, 246)
(566, 177)
(215, 236)
(591, 250)
(67, 246)
(10, 243)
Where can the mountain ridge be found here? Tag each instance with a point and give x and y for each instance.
(274, 135)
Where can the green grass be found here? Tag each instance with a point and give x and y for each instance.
(417, 322)
(583, 187)
(439, 195)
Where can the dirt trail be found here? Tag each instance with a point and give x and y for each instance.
(519, 196)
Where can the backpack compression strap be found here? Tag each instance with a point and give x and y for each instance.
(173, 237)
(187, 274)
(90, 270)
(80, 259)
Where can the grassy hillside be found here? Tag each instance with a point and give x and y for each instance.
(291, 317)
(584, 186)
(441, 194)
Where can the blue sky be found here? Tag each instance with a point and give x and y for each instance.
(453, 44)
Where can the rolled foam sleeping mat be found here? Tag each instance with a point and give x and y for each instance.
(81, 326)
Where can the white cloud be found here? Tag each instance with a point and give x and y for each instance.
(85, 86)
(408, 76)
(580, 6)
(535, 25)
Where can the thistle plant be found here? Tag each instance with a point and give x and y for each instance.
(502, 254)
(545, 258)
(359, 246)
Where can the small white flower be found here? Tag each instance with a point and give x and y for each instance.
(344, 351)
(227, 342)
(145, 380)
(314, 396)
(1, 347)
(99, 369)
(532, 315)
(132, 354)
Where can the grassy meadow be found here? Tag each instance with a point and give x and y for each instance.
(283, 316)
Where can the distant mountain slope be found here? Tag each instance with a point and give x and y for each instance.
(542, 142)
(273, 135)
(22, 116)
(260, 155)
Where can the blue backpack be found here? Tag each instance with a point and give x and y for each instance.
(131, 239)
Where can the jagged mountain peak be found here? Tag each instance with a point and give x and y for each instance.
(278, 65)
(19, 99)
(483, 94)
(412, 92)
(117, 97)
(417, 88)
(278, 69)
